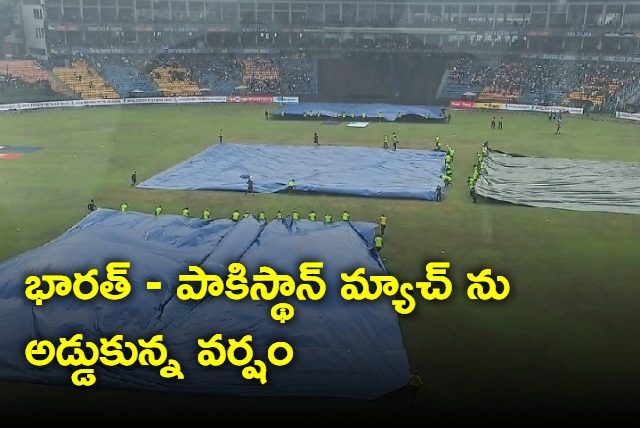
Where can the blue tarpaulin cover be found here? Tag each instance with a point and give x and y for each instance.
(389, 112)
(401, 173)
(570, 184)
(342, 349)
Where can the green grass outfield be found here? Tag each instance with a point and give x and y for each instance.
(567, 337)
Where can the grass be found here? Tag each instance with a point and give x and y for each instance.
(565, 339)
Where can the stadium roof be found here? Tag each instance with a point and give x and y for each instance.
(445, 1)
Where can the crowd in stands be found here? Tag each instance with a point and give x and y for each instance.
(172, 75)
(467, 72)
(517, 80)
(257, 74)
(181, 75)
(298, 74)
(603, 81)
(543, 82)
(261, 75)
(221, 74)
(282, 74)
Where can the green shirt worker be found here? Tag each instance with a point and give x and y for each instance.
(378, 242)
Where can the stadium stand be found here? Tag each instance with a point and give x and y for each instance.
(504, 81)
(545, 85)
(461, 78)
(174, 81)
(31, 71)
(127, 79)
(85, 80)
(283, 74)
(261, 75)
(173, 77)
(299, 75)
(193, 75)
(599, 83)
(220, 74)
(539, 82)
(360, 76)
(16, 90)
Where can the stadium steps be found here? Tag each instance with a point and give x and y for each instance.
(443, 83)
(30, 71)
(634, 95)
(85, 80)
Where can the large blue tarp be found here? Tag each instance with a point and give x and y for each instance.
(342, 349)
(389, 112)
(401, 173)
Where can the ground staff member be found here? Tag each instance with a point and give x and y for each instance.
(378, 242)
(382, 222)
(415, 383)
(249, 186)
(472, 191)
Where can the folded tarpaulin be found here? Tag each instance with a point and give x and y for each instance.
(571, 184)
